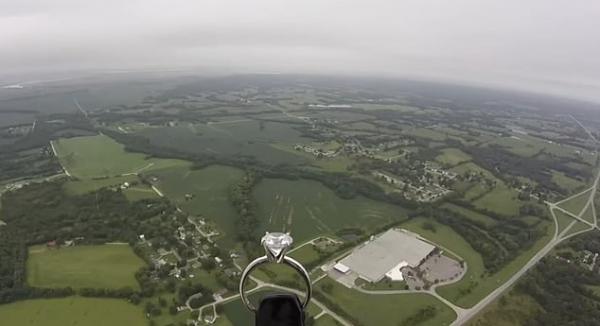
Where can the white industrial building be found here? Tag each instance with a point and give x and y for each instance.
(386, 255)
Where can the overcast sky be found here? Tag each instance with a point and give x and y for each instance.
(541, 45)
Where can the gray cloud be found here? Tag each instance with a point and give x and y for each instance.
(539, 45)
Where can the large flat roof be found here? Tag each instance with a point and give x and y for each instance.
(375, 258)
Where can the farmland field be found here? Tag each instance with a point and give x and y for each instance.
(472, 215)
(453, 156)
(308, 209)
(100, 156)
(245, 138)
(72, 311)
(210, 190)
(102, 266)
(501, 200)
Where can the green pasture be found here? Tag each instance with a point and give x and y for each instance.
(453, 156)
(100, 156)
(576, 204)
(209, 188)
(385, 310)
(308, 209)
(101, 266)
(72, 311)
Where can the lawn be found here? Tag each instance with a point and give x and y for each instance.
(101, 266)
(210, 190)
(308, 209)
(100, 156)
(385, 310)
(588, 215)
(72, 311)
(577, 204)
(578, 227)
(453, 156)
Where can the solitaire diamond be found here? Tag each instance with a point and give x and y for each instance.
(276, 243)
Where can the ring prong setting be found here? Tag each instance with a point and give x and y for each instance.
(276, 245)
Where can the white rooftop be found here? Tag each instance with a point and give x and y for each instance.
(379, 256)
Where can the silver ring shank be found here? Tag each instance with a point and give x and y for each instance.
(286, 260)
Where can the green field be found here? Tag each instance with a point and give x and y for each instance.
(588, 215)
(102, 266)
(514, 310)
(79, 187)
(232, 139)
(453, 156)
(326, 320)
(383, 310)
(578, 227)
(72, 311)
(210, 190)
(563, 220)
(501, 200)
(471, 215)
(577, 204)
(100, 156)
(308, 209)
(565, 182)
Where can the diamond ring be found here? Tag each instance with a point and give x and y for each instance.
(276, 245)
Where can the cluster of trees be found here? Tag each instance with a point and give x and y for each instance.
(42, 212)
(498, 244)
(240, 196)
(560, 289)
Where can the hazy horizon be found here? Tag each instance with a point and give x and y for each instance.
(536, 46)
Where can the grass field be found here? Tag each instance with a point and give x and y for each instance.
(565, 182)
(72, 311)
(515, 310)
(210, 190)
(472, 215)
(577, 227)
(501, 200)
(308, 209)
(453, 156)
(588, 215)
(563, 220)
(79, 187)
(576, 204)
(100, 156)
(232, 139)
(384, 310)
(326, 320)
(102, 266)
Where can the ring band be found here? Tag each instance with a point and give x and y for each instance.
(286, 260)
